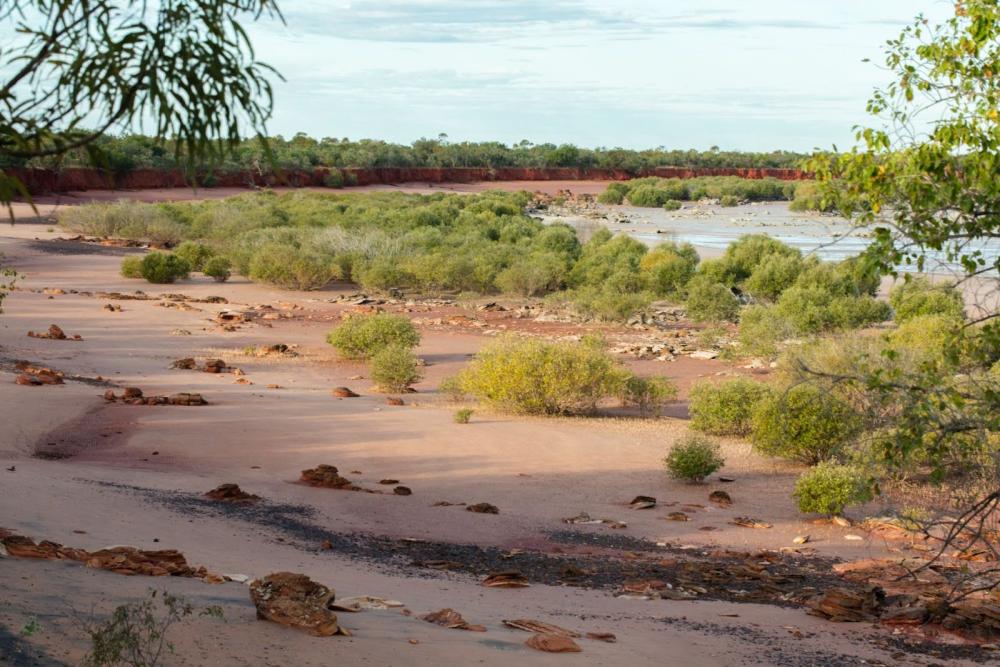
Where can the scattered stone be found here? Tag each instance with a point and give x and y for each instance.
(748, 522)
(449, 618)
(511, 579)
(112, 307)
(388, 481)
(720, 498)
(727, 479)
(326, 476)
(53, 333)
(483, 508)
(402, 491)
(230, 493)
(343, 392)
(704, 354)
(539, 627)
(844, 605)
(553, 644)
(362, 602)
(643, 503)
(296, 601)
(841, 521)
(131, 392)
(608, 637)
(180, 332)
(854, 538)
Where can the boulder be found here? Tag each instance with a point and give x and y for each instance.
(402, 491)
(132, 392)
(343, 392)
(185, 398)
(215, 366)
(27, 380)
(231, 493)
(553, 644)
(720, 498)
(295, 600)
(483, 508)
(326, 476)
(187, 363)
(449, 618)
(848, 605)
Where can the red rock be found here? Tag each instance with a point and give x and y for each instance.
(132, 392)
(553, 644)
(483, 508)
(295, 600)
(186, 399)
(231, 493)
(343, 392)
(449, 618)
(394, 401)
(326, 476)
(186, 364)
(27, 380)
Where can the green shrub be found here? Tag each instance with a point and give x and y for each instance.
(851, 277)
(530, 376)
(163, 268)
(614, 194)
(194, 253)
(803, 423)
(654, 196)
(726, 408)
(709, 301)
(218, 268)
(919, 296)
(607, 303)
(729, 200)
(828, 488)
(671, 205)
(131, 267)
(809, 198)
(463, 415)
(853, 312)
(394, 368)
(807, 309)
(773, 275)
(362, 336)
(927, 335)
(535, 274)
(762, 328)
(669, 267)
(334, 179)
(693, 458)
(290, 267)
(649, 395)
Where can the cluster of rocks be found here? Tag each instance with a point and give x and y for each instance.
(275, 350)
(134, 396)
(104, 241)
(231, 493)
(30, 375)
(209, 366)
(120, 559)
(54, 332)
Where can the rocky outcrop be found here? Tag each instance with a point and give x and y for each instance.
(231, 493)
(296, 601)
(326, 476)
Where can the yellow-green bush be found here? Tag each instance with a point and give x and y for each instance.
(709, 301)
(693, 458)
(394, 368)
(726, 408)
(194, 253)
(649, 395)
(163, 267)
(762, 329)
(803, 423)
(362, 336)
(131, 267)
(919, 296)
(217, 267)
(829, 488)
(530, 376)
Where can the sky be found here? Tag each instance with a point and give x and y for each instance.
(761, 75)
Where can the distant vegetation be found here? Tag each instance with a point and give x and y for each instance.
(130, 152)
(668, 193)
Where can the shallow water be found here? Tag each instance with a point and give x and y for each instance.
(712, 228)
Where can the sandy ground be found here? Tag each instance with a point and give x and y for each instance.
(88, 474)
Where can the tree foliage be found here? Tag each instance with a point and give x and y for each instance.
(74, 72)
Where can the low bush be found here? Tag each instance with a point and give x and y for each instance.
(290, 267)
(853, 312)
(219, 268)
(394, 368)
(334, 179)
(726, 408)
(362, 336)
(729, 200)
(535, 274)
(163, 268)
(807, 309)
(762, 329)
(607, 303)
(773, 275)
(131, 267)
(693, 458)
(463, 415)
(671, 205)
(919, 296)
(669, 267)
(656, 196)
(194, 253)
(803, 423)
(649, 395)
(615, 194)
(809, 198)
(530, 376)
(709, 301)
(829, 488)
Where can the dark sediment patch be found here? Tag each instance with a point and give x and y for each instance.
(17, 651)
(99, 427)
(730, 576)
(57, 247)
(9, 364)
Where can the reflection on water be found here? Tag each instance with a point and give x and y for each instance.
(712, 228)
